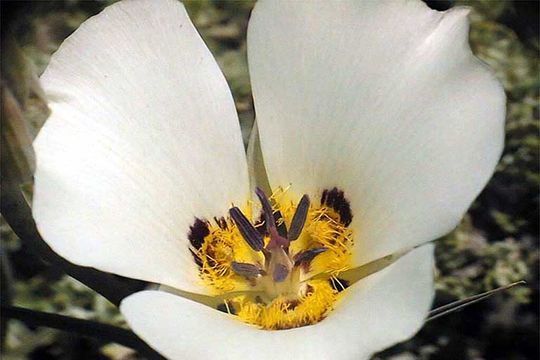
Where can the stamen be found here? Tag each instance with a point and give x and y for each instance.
(248, 231)
(299, 218)
(276, 239)
(267, 210)
(246, 269)
(281, 226)
(306, 256)
(280, 273)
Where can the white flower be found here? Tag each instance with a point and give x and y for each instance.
(381, 104)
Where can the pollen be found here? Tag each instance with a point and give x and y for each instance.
(285, 312)
(269, 260)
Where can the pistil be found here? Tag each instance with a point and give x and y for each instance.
(279, 264)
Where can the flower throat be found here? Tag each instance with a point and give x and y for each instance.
(272, 267)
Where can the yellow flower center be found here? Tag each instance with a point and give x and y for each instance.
(271, 261)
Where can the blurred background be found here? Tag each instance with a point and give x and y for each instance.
(496, 244)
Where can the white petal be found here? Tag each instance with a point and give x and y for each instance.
(143, 138)
(381, 310)
(382, 99)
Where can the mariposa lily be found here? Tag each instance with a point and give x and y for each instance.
(376, 129)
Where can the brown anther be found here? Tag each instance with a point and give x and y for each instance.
(305, 257)
(281, 226)
(247, 270)
(299, 218)
(249, 233)
(276, 240)
(267, 210)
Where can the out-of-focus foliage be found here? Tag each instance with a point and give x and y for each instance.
(497, 243)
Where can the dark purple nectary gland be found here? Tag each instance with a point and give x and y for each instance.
(336, 200)
(197, 232)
